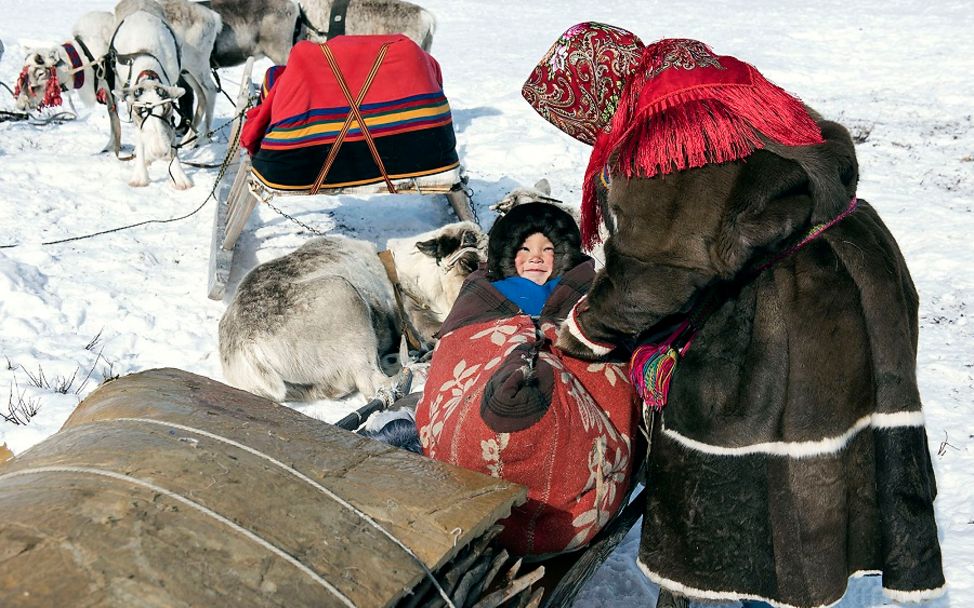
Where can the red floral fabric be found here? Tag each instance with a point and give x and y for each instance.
(577, 84)
(576, 460)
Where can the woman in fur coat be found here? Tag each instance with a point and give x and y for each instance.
(500, 400)
(775, 326)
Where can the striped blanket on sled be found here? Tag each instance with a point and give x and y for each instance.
(289, 135)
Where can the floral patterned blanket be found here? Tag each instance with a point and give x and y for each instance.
(501, 400)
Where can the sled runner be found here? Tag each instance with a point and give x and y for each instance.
(356, 115)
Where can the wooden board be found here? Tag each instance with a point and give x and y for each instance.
(123, 506)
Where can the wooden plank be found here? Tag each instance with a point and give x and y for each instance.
(299, 484)
(461, 204)
(241, 203)
(221, 257)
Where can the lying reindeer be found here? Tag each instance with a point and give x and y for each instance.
(77, 65)
(312, 324)
(269, 28)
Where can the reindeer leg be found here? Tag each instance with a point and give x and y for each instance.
(181, 181)
(140, 172)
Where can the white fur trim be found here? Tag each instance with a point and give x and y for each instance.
(804, 449)
(706, 594)
(710, 594)
(918, 595)
(576, 331)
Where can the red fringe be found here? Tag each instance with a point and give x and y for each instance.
(52, 93)
(22, 83)
(702, 125)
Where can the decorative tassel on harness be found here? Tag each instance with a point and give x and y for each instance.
(52, 92)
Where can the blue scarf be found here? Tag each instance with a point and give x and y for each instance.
(528, 295)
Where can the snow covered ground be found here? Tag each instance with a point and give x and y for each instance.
(897, 72)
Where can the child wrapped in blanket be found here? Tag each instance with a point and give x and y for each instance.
(501, 400)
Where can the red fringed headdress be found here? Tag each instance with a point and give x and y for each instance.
(687, 107)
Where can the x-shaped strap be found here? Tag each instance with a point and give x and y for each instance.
(354, 114)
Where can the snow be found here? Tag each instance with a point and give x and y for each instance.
(896, 72)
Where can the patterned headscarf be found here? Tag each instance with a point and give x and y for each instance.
(577, 84)
(653, 110)
(686, 107)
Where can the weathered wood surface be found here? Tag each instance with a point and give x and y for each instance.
(221, 253)
(122, 507)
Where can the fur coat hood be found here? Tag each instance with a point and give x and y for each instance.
(791, 453)
(511, 230)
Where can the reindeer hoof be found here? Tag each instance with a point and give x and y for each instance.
(183, 185)
(138, 183)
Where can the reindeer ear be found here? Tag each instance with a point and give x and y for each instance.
(543, 186)
(430, 248)
(770, 200)
(175, 92)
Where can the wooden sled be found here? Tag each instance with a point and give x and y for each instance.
(236, 203)
(167, 488)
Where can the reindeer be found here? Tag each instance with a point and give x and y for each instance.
(269, 28)
(77, 65)
(314, 323)
(194, 28)
(147, 62)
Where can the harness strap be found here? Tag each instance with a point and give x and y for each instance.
(148, 74)
(353, 114)
(77, 66)
(336, 23)
(389, 263)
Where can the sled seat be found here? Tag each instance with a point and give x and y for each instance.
(356, 115)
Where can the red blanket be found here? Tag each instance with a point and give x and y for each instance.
(500, 400)
(290, 133)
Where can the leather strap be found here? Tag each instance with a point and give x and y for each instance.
(353, 114)
(336, 22)
(405, 326)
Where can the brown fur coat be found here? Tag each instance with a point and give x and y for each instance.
(792, 452)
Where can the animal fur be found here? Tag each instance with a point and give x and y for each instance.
(373, 17)
(157, 46)
(196, 29)
(795, 410)
(94, 30)
(266, 28)
(314, 323)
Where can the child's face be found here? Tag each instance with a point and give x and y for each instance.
(535, 258)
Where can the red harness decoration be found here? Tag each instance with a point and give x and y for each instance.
(76, 66)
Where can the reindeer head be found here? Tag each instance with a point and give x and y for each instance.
(38, 85)
(149, 97)
(432, 266)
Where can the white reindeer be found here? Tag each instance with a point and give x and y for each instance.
(148, 64)
(77, 65)
(194, 28)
